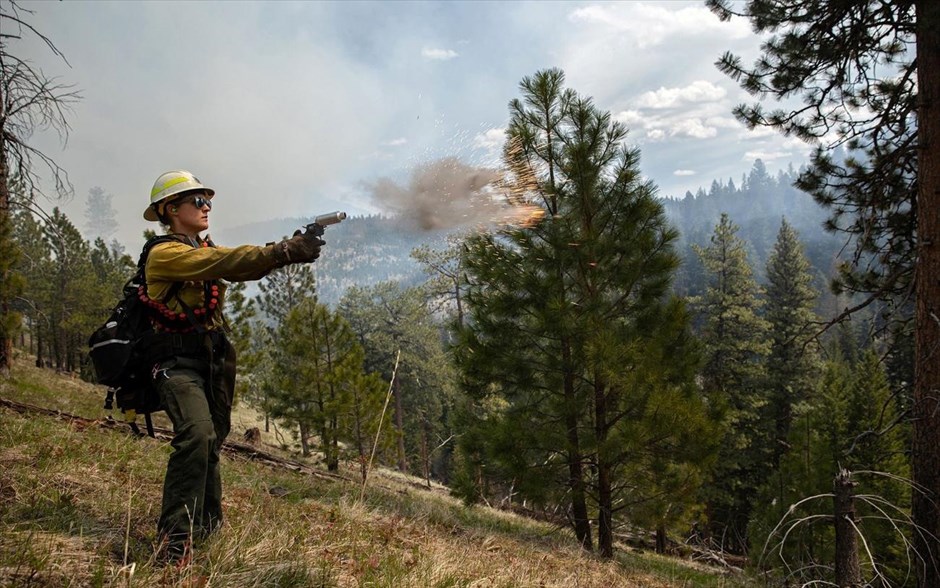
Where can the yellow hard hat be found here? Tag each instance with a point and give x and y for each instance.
(170, 184)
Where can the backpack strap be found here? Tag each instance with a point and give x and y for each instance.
(154, 241)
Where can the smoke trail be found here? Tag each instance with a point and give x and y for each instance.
(443, 194)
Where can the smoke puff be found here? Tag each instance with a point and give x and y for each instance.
(443, 194)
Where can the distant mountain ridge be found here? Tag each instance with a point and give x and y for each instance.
(365, 250)
(757, 206)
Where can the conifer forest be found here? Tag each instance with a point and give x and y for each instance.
(747, 369)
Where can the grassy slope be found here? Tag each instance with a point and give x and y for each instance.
(78, 506)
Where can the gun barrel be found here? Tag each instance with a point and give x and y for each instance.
(330, 218)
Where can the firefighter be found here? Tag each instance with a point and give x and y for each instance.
(193, 363)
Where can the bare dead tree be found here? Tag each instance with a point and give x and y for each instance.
(856, 562)
(848, 572)
(30, 101)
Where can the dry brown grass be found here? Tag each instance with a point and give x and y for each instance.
(79, 506)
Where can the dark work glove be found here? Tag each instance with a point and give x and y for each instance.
(301, 248)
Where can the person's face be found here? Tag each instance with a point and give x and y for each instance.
(191, 213)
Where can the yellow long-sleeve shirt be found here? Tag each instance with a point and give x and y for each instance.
(173, 261)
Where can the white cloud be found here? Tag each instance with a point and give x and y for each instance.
(490, 138)
(697, 91)
(692, 127)
(757, 133)
(683, 172)
(631, 118)
(766, 155)
(723, 122)
(396, 142)
(654, 24)
(491, 141)
(438, 54)
(656, 134)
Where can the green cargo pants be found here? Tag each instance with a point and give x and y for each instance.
(198, 402)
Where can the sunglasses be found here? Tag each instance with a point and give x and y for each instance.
(198, 201)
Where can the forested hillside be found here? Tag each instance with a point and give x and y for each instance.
(757, 203)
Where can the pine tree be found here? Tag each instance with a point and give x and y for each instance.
(389, 319)
(324, 361)
(11, 286)
(284, 289)
(849, 422)
(364, 422)
(99, 214)
(241, 311)
(867, 77)
(569, 323)
(34, 264)
(444, 268)
(733, 377)
(257, 365)
(76, 304)
(793, 361)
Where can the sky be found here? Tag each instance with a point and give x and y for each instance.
(292, 109)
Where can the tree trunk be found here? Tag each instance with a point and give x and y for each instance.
(457, 299)
(304, 446)
(605, 537)
(360, 439)
(582, 524)
(6, 338)
(332, 454)
(39, 346)
(400, 425)
(925, 456)
(660, 539)
(848, 572)
(425, 455)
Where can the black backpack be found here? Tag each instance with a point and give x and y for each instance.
(119, 349)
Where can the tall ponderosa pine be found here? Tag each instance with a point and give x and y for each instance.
(733, 377)
(572, 347)
(867, 75)
(793, 360)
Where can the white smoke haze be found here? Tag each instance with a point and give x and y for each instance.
(443, 194)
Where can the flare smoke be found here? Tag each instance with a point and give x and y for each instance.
(447, 194)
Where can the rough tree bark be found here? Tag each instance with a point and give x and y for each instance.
(582, 524)
(400, 426)
(926, 406)
(848, 571)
